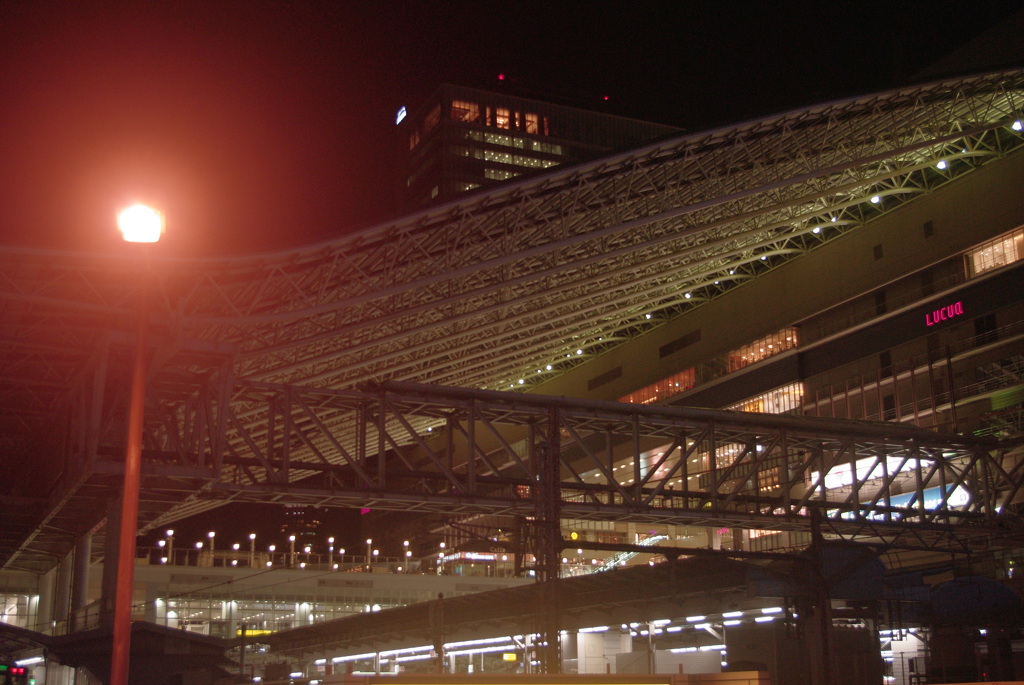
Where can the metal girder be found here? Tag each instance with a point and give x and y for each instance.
(436, 449)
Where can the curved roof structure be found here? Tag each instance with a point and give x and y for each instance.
(537, 275)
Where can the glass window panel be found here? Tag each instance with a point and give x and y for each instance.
(781, 400)
(465, 111)
(1004, 250)
(663, 389)
(531, 123)
(502, 118)
(770, 345)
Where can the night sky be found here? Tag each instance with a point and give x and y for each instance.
(261, 125)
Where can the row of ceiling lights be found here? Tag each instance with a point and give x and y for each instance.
(874, 199)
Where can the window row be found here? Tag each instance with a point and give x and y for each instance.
(770, 345)
(765, 347)
(788, 398)
(500, 117)
(663, 389)
(514, 141)
(1005, 249)
(503, 157)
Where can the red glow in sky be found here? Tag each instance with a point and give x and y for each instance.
(256, 126)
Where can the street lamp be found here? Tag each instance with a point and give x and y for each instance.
(170, 545)
(138, 224)
(252, 549)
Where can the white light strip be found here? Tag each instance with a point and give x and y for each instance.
(507, 647)
(406, 650)
(416, 657)
(485, 641)
(352, 657)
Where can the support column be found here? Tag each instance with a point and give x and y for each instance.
(549, 543)
(820, 639)
(109, 588)
(62, 596)
(80, 582)
(714, 539)
(44, 616)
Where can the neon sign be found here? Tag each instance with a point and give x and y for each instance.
(944, 313)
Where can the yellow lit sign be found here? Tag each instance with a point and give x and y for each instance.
(508, 657)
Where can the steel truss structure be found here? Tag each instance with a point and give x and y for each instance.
(501, 290)
(751, 471)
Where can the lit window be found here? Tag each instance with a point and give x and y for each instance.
(768, 346)
(500, 174)
(518, 160)
(788, 398)
(1005, 249)
(501, 118)
(531, 123)
(550, 148)
(663, 389)
(465, 111)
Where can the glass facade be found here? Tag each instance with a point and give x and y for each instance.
(770, 345)
(763, 348)
(663, 389)
(788, 398)
(1004, 250)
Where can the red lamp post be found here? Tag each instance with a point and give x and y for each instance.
(138, 224)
